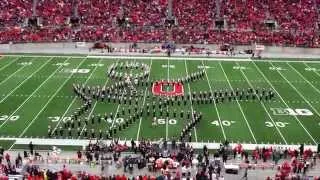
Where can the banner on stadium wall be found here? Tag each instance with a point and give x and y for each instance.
(156, 50)
(259, 47)
(80, 44)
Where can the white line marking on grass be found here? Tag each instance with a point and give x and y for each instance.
(25, 80)
(264, 107)
(18, 70)
(30, 96)
(43, 108)
(244, 116)
(144, 100)
(94, 106)
(192, 110)
(74, 99)
(300, 94)
(168, 79)
(9, 63)
(182, 58)
(90, 114)
(117, 111)
(215, 105)
(257, 67)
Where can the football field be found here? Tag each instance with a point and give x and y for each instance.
(36, 92)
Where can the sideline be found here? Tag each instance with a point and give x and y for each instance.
(182, 58)
(196, 145)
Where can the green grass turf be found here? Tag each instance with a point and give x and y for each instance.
(6, 144)
(36, 93)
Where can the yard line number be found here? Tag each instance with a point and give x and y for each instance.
(276, 68)
(25, 63)
(277, 124)
(240, 67)
(223, 122)
(79, 71)
(62, 64)
(10, 118)
(311, 69)
(166, 66)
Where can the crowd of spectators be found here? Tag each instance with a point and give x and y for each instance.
(14, 12)
(295, 23)
(162, 160)
(54, 12)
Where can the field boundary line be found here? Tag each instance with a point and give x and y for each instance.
(191, 104)
(144, 101)
(120, 57)
(244, 116)
(299, 122)
(61, 118)
(61, 86)
(21, 83)
(214, 102)
(264, 107)
(5, 66)
(26, 100)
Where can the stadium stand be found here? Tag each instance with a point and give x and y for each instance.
(158, 160)
(246, 22)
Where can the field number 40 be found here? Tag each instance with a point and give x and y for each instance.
(223, 122)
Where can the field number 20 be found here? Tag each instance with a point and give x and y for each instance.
(10, 118)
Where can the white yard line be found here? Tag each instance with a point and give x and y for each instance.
(44, 107)
(264, 107)
(18, 70)
(215, 105)
(316, 72)
(74, 99)
(300, 94)
(94, 106)
(244, 116)
(144, 100)
(31, 95)
(257, 67)
(117, 111)
(9, 63)
(305, 79)
(168, 79)
(31, 75)
(191, 105)
(90, 114)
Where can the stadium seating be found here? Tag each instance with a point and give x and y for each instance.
(54, 12)
(143, 21)
(13, 12)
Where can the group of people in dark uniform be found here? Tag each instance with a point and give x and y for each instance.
(123, 91)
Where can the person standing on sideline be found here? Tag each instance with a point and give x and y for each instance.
(31, 147)
(245, 175)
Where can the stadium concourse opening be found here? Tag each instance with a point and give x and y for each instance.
(167, 88)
